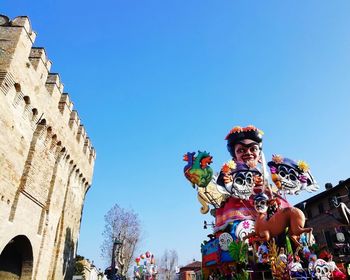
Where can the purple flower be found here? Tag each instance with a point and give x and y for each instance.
(273, 170)
(302, 178)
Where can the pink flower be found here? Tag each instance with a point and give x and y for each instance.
(302, 178)
(245, 224)
(273, 170)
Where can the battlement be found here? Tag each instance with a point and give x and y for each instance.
(26, 78)
(39, 60)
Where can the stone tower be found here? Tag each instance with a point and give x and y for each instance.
(46, 162)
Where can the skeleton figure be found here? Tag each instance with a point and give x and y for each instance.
(243, 181)
(243, 229)
(343, 210)
(290, 176)
(322, 270)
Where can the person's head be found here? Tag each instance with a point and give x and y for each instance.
(260, 203)
(244, 144)
(312, 258)
(326, 255)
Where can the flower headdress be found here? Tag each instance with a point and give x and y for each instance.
(248, 130)
(301, 166)
(280, 169)
(238, 134)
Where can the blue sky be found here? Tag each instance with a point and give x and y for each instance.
(154, 79)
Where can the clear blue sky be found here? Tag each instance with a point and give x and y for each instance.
(153, 79)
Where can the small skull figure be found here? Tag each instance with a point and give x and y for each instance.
(291, 176)
(243, 229)
(225, 239)
(322, 270)
(243, 181)
(261, 203)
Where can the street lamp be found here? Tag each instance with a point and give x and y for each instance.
(116, 243)
(206, 225)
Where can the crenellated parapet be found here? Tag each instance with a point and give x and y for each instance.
(27, 83)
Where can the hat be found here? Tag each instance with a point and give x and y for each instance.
(260, 197)
(300, 166)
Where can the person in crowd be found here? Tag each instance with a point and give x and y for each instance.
(296, 269)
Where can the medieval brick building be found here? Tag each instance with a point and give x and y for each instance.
(329, 215)
(46, 162)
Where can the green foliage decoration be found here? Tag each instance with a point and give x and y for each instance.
(244, 275)
(239, 251)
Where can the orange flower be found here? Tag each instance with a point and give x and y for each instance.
(225, 168)
(277, 159)
(278, 184)
(234, 130)
(274, 177)
(249, 128)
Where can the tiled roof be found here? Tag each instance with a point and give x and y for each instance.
(192, 265)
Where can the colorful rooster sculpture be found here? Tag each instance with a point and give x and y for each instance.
(198, 171)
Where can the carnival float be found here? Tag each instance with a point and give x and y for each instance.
(257, 234)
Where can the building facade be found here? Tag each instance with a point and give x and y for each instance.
(90, 271)
(191, 271)
(326, 213)
(46, 162)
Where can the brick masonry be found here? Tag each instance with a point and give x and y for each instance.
(46, 157)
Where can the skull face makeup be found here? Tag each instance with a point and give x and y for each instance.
(322, 270)
(289, 179)
(243, 181)
(260, 203)
(290, 176)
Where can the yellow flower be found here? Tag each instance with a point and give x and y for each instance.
(231, 164)
(228, 166)
(303, 166)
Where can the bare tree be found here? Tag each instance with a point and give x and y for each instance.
(168, 264)
(124, 225)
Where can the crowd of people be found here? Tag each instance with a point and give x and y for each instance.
(303, 264)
